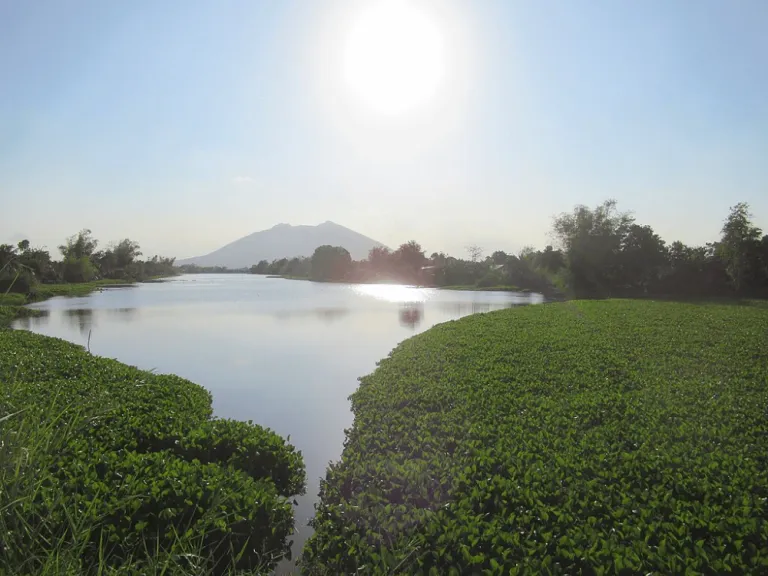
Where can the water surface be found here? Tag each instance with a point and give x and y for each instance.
(285, 354)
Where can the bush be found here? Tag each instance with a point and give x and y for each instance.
(111, 467)
(576, 438)
(78, 269)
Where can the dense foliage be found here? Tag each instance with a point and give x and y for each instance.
(330, 263)
(24, 269)
(124, 469)
(602, 437)
(606, 253)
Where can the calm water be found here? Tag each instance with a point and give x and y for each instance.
(285, 354)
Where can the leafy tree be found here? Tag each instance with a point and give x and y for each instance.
(550, 260)
(7, 255)
(126, 252)
(261, 268)
(499, 257)
(740, 249)
(78, 269)
(380, 258)
(22, 267)
(591, 240)
(298, 267)
(438, 258)
(105, 262)
(409, 259)
(330, 263)
(643, 257)
(81, 245)
(38, 262)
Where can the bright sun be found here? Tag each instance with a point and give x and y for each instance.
(393, 57)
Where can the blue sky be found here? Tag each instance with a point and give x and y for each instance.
(187, 124)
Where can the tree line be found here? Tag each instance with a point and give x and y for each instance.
(605, 252)
(23, 266)
(596, 252)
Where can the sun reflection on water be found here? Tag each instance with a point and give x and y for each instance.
(394, 292)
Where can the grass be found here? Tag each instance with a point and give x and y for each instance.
(12, 299)
(46, 291)
(107, 469)
(587, 437)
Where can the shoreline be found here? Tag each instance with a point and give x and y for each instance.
(14, 305)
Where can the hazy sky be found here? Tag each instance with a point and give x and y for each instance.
(187, 124)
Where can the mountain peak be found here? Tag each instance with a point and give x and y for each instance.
(285, 241)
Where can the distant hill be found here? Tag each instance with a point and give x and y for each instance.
(285, 241)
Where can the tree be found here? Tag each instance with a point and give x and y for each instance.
(126, 251)
(78, 269)
(550, 260)
(499, 257)
(591, 241)
(643, 257)
(330, 263)
(81, 245)
(409, 259)
(261, 268)
(438, 258)
(38, 261)
(475, 252)
(380, 259)
(740, 249)
(22, 267)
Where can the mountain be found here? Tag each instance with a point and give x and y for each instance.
(285, 241)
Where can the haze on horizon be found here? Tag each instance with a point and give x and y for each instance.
(187, 124)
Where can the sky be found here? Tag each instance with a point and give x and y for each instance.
(186, 124)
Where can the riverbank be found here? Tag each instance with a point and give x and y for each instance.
(472, 288)
(13, 305)
(107, 468)
(43, 292)
(600, 436)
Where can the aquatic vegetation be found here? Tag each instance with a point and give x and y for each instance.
(586, 437)
(104, 466)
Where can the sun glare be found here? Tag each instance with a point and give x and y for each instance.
(393, 57)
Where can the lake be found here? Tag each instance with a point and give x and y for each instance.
(283, 353)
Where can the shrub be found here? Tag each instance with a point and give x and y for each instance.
(584, 438)
(78, 269)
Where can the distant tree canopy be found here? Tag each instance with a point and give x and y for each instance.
(605, 253)
(23, 266)
(330, 263)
